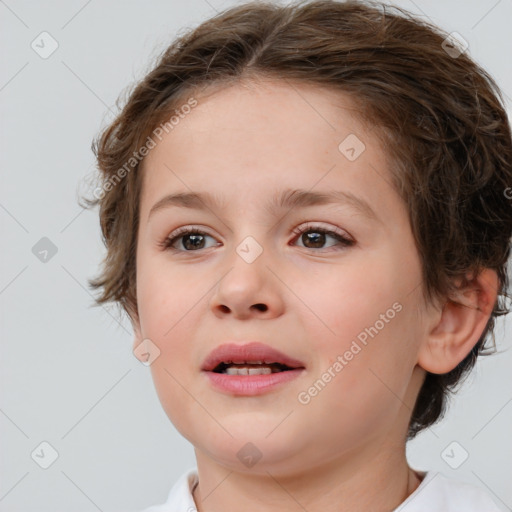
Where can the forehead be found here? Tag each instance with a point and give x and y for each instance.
(278, 108)
(275, 114)
(267, 136)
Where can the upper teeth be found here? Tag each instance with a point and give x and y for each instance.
(245, 370)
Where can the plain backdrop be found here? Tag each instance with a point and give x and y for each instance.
(69, 379)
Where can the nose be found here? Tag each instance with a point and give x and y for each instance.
(248, 290)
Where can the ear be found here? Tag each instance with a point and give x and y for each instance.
(455, 330)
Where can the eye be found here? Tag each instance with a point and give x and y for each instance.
(315, 236)
(192, 239)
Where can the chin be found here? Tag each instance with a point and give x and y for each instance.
(251, 450)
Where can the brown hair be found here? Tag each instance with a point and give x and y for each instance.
(440, 115)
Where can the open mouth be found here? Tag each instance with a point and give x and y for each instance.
(253, 368)
(250, 369)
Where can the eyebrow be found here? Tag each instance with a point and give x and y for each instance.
(287, 199)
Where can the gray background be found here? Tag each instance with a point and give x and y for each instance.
(68, 376)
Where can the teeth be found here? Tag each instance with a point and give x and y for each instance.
(265, 370)
(246, 370)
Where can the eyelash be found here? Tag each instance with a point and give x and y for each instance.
(343, 240)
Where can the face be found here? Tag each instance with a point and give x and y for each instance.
(334, 285)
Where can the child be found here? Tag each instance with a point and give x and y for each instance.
(307, 222)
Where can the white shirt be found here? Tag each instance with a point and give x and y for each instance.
(436, 493)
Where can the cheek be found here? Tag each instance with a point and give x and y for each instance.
(167, 318)
(166, 305)
(361, 331)
(166, 295)
(343, 301)
(363, 388)
(372, 385)
(169, 322)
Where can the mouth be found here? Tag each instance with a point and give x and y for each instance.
(250, 369)
(249, 359)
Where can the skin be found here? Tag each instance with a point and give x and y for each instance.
(345, 449)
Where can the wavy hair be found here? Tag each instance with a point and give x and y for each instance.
(440, 116)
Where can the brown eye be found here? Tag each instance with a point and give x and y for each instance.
(190, 240)
(315, 237)
(312, 237)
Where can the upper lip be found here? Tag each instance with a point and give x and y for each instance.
(253, 352)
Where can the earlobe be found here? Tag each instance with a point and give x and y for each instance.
(453, 334)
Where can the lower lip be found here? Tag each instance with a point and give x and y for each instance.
(250, 385)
